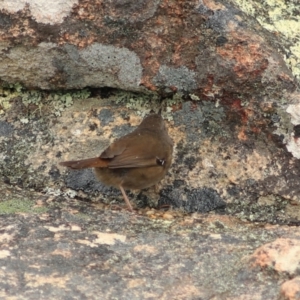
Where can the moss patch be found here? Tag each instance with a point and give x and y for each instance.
(20, 206)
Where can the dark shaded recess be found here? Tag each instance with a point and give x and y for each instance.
(86, 181)
(104, 92)
(6, 129)
(297, 131)
(192, 200)
(165, 92)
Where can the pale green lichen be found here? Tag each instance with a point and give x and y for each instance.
(194, 97)
(143, 104)
(20, 206)
(294, 61)
(284, 126)
(281, 17)
(58, 100)
(7, 93)
(62, 100)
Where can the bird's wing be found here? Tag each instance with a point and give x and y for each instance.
(132, 153)
(95, 162)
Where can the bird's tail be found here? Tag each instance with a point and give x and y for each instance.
(95, 162)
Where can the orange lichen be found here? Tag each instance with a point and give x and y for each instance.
(213, 5)
(245, 52)
(242, 136)
(75, 39)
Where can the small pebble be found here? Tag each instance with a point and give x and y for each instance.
(167, 216)
(150, 212)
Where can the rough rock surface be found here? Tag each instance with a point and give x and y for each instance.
(227, 89)
(212, 169)
(234, 130)
(57, 247)
(206, 47)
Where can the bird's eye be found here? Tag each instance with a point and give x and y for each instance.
(160, 161)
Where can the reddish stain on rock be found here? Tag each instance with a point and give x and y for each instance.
(247, 58)
(290, 290)
(204, 39)
(282, 255)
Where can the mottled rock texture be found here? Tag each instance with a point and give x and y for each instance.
(226, 76)
(210, 48)
(212, 168)
(55, 247)
(221, 78)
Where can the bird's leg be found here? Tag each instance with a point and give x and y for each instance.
(125, 198)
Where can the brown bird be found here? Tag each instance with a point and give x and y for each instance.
(137, 160)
